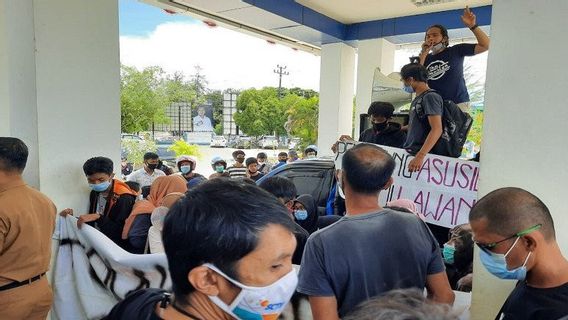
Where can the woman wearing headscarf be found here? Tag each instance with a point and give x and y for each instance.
(138, 223)
(306, 213)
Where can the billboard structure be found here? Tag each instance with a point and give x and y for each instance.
(229, 109)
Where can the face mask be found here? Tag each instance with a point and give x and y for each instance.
(254, 303)
(407, 89)
(185, 169)
(219, 169)
(152, 166)
(380, 126)
(301, 214)
(240, 160)
(99, 187)
(438, 47)
(496, 264)
(448, 253)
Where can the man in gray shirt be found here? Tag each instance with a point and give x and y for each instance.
(425, 124)
(371, 250)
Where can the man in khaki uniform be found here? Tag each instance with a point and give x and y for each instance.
(27, 220)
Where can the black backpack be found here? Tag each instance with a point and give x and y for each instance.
(455, 127)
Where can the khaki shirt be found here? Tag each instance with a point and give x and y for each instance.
(27, 221)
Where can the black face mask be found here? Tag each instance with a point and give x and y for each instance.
(380, 126)
(152, 166)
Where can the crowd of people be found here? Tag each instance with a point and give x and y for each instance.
(238, 250)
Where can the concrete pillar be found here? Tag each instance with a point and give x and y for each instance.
(18, 101)
(370, 55)
(336, 94)
(524, 140)
(60, 89)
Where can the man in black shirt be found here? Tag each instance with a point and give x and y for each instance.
(383, 132)
(515, 232)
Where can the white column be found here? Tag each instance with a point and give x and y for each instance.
(336, 94)
(59, 65)
(370, 55)
(18, 104)
(524, 142)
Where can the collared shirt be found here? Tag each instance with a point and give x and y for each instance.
(27, 221)
(143, 178)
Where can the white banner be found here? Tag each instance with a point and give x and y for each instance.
(444, 189)
(90, 273)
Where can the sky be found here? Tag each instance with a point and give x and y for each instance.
(228, 59)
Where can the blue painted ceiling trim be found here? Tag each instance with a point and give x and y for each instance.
(413, 24)
(332, 29)
(296, 12)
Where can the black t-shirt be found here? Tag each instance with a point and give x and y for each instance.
(138, 305)
(258, 176)
(445, 72)
(391, 136)
(528, 303)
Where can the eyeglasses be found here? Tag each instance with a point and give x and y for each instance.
(490, 246)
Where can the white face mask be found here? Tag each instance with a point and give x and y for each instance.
(254, 303)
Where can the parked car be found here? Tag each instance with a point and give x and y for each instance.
(268, 142)
(218, 141)
(315, 177)
(162, 149)
(243, 142)
(129, 136)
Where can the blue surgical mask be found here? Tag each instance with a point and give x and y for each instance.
(99, 187)
(496, 264)
(448, 253)
(185, 169)
(407, 89)
(301, 214)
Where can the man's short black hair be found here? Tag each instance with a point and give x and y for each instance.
(443, 31)
(151, 156)
(250, 161)
(511, 210)
(280, 187)
(283, 154)
(98, 165)
(261, 155)
(217, 222)
(381, 109)
(237, 152)
(415, 70)
(13, 154)
(367, 168)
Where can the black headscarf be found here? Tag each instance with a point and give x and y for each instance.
(311, 222)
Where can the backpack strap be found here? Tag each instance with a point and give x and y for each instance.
(418, 104)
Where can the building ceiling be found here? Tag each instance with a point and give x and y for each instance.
(308, 24)
(355, 11)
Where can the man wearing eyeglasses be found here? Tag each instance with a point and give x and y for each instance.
(515, 232)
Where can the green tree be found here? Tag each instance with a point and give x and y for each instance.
(142, 99)
(303, 117)
(176, 89)
(136, 149)
(260, 112)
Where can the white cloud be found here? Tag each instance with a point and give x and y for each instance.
(229, 59)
